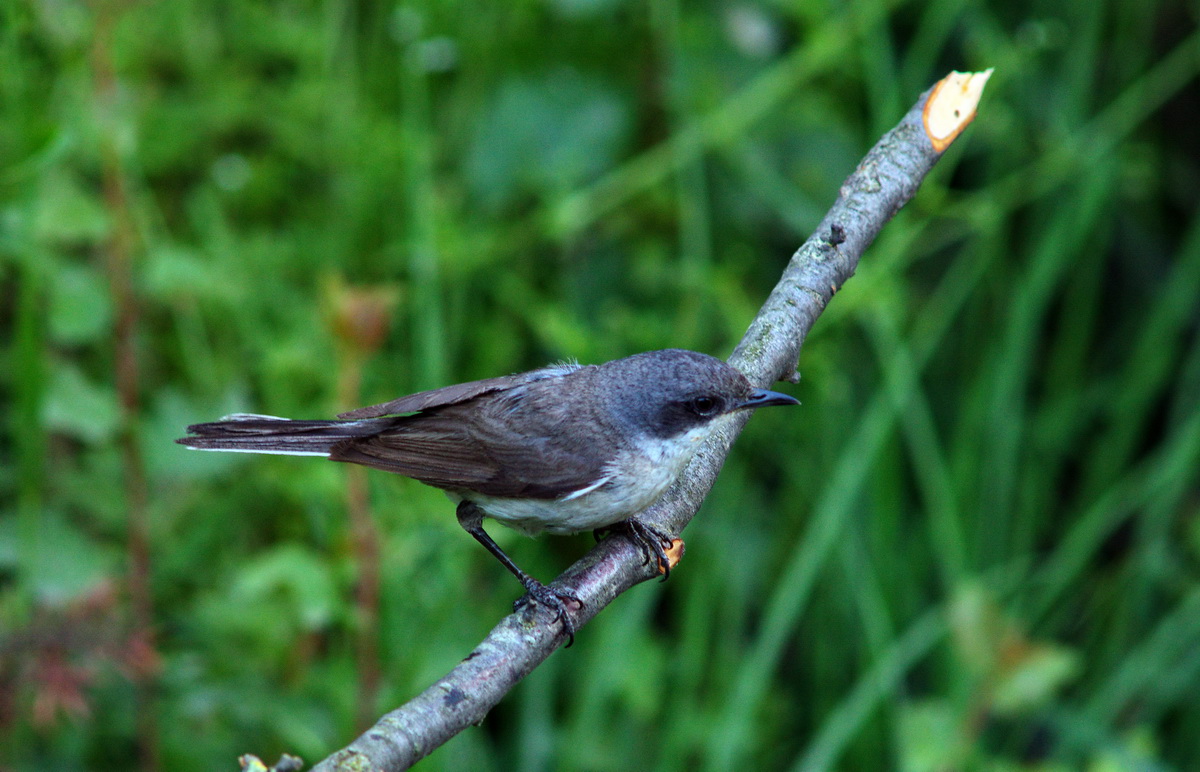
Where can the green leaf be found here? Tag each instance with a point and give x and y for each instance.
(294, 577)
(1039, 672)
(65, 564)
(978, 627)
(68, 214)
(79, 407)
(172, 271)
(545, 136)
(931, 737)
(80, 306)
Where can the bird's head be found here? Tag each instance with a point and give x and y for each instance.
(670, 393)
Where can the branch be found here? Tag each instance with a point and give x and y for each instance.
(883, 182)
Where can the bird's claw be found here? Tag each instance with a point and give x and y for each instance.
(554, 600)
(652, 541)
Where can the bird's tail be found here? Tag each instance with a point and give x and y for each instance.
(250, 433)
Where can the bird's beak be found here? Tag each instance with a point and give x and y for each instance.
(763, 398)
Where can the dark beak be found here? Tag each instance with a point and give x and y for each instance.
(763, 398)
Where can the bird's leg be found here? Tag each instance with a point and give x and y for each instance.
(470, 517)
(649, 539)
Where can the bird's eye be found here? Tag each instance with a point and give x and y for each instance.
(704, 406)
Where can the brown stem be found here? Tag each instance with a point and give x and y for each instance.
(119, 266)
(365, 547)
(366, 594)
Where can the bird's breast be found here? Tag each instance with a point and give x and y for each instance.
(632, 481)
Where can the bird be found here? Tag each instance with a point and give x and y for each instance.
(562, 449)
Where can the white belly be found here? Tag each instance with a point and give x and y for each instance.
(626, 490)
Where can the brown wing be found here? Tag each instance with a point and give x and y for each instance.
(520, 442)
(447, 395)
(458, 393)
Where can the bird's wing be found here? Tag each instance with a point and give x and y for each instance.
(426, 400)
(456, 394)
(489, 443)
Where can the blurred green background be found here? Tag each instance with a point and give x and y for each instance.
(975, 546)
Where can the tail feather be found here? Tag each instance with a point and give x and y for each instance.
(251, 433)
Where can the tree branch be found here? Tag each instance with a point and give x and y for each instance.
(883, 182)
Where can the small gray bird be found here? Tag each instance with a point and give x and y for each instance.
(563, 449)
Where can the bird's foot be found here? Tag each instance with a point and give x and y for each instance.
(555, 600)
(653, 542)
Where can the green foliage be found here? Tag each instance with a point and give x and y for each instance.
(975, 546)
